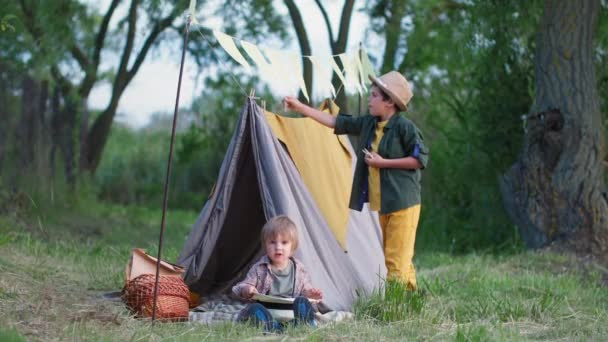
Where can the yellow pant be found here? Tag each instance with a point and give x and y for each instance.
(398, 237)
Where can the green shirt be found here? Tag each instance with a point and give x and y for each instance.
(399, 188)
(282, 281)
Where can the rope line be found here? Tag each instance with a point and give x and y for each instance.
(224, 66)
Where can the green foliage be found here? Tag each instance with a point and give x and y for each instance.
(134, 168)
(601, 52)
(5, 22)
(471, 64)
(41, 34)
(253, 19)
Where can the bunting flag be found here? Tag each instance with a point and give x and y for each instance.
(366, 66)
(352, 74)
(359, 68)
(229, 46)
(282, 69)
(257, 57)
(338, 72)
(265, 68)
(295, 65)
(270, 63)
(321, 72)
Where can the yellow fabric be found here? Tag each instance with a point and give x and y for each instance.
(324, 162)
(398, 237)
(374, 172)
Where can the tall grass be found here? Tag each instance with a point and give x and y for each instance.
(51, 289)
(391, 301)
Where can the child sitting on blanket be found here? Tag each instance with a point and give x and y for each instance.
(278, 274)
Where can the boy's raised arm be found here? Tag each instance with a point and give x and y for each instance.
(323, 118)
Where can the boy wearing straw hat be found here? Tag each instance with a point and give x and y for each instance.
(387, 175)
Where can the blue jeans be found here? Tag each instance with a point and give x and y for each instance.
(257, 314)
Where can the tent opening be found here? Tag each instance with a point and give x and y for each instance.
(238, 243)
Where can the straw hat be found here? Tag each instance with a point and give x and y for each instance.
(396, 86)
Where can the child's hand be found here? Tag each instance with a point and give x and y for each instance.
(292, 103)
(373, 159)
(249, 292)
(314, 294)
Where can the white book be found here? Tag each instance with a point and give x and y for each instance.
(272, 299)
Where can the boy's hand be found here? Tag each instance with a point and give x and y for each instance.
(292, 103)
(314, 294)
(373, 159)
(249, 292)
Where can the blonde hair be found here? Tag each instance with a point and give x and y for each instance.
(280, 225)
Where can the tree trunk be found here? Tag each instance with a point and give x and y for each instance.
(555, 190)
(338, 46)
(26, 137)
(65, 107)
(392, 34)
(4, 115)
(99, 132)
(70, 139)
(98, 137)
(305, 49)
(82, 138)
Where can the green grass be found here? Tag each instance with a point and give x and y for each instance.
(56, 263)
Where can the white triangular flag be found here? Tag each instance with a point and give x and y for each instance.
(366, 64)
(258, 58)
(338, 72)
(228, 44)
(360, 72)
(352, 77)
(281, 68)
(320, 71)
(295, 61)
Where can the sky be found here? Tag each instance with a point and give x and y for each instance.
(154, 87)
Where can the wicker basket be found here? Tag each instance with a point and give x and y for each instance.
(172, 302)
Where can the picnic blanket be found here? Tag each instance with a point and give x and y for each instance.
(223, 308)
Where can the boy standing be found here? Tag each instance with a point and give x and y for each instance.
(387, 175)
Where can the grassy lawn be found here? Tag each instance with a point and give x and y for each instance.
(56, 264)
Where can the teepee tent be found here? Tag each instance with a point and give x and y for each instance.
(292, 166)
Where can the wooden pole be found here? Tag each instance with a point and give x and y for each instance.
(169, 166)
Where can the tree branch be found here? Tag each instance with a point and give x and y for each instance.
(347, 13)
(29, 21)
(81, 58)
(305, 48)
(327, 23)
(392, 34)
(91, 67)
(121, 76)
(156, 31)
(103, 29)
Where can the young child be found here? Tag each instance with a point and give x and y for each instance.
(278, 273)
(387, 175)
